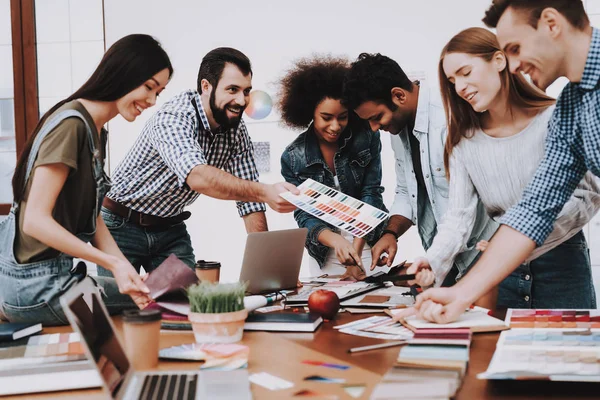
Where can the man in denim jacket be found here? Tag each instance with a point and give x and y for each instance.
(380, 92)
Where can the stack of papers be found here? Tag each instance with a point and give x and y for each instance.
(477, 320)
(345, 290)
(222, 357)
(377, 328)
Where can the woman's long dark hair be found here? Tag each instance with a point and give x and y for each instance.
(126, 65)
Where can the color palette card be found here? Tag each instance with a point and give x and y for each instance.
(551, 338)
(56, 347)
(554, 355)
(336, 208)
(553, 319)
(377, 328)
(446, 357)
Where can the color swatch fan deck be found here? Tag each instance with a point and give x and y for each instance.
(336, 208)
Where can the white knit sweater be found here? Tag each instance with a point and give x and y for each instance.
(496, 170)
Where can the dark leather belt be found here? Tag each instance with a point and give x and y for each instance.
(141, 219)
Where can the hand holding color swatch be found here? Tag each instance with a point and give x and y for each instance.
(336, 208)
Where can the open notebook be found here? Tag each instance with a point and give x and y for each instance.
(476, 320)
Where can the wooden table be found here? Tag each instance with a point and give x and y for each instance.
(328, 341)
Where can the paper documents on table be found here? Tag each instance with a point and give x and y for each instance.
(477, 321)
(388, 297)
(378, 327)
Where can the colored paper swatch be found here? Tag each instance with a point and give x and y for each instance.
(323, 379)
(269, 381)
(553, 319)
(326, 365)
(552, 354)
(336, 208)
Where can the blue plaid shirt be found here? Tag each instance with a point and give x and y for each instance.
(152, 176)
(572, 148)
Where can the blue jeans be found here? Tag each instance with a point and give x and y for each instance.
(560, 278)
(31, 292)
(148, 247)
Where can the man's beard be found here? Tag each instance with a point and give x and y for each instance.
(220, 115)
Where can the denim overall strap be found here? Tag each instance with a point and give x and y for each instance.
(8, 226)
(46, 129)
(31, 292)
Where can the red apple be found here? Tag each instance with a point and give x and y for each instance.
(324, 302)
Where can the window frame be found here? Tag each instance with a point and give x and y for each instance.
(24, 50)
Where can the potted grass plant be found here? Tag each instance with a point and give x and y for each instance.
(217, 311)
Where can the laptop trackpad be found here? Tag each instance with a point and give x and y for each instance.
(224, 385)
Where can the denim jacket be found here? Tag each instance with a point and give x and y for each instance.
(430, 130)
(358, 168)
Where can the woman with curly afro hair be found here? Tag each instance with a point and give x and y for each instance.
(337, 149)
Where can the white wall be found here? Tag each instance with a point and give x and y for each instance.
(70, 44)
(273, 34)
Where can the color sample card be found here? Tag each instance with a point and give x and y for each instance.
(336, 208)
(544, 363)
(553, 319)
(326, 365)
(46, 346)
(550, 338)
(324, 379)
(269, 381)
(561, 345)
(376, 327)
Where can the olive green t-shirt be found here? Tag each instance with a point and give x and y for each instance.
(66, 144)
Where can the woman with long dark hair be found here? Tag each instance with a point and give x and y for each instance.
(336, 149)
(59, 184)
(497, 127)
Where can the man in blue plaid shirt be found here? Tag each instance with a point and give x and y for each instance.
(545, 39)
(197, 143)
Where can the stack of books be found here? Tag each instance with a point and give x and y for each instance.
(431, 366)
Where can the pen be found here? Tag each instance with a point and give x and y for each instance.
(376, 346)
(405, 277)
(481, 309)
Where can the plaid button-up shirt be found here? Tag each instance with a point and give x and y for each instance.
(572, 148)
(152, 176)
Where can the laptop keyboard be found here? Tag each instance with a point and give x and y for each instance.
(167, 387)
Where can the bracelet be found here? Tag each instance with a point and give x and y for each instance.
(391, 232)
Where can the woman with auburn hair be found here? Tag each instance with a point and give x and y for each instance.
(336, 149)
(59, 184)
(497, 127)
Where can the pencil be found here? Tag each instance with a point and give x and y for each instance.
(376, 346)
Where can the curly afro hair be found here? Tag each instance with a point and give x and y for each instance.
(306, 84)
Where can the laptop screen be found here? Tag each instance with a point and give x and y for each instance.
(111, 361)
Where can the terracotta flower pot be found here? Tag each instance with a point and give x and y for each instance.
(218, 328)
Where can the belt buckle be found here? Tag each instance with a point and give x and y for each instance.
(142, 222)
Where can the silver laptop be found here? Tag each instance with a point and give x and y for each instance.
(88, 316)
(272, 260)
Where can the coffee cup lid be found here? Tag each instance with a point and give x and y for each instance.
(208, 264)
(138, 316)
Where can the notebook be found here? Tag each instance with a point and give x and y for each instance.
(477, 321)
(283, 322)
(15, 331)
(168, 282)
(344, 291)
